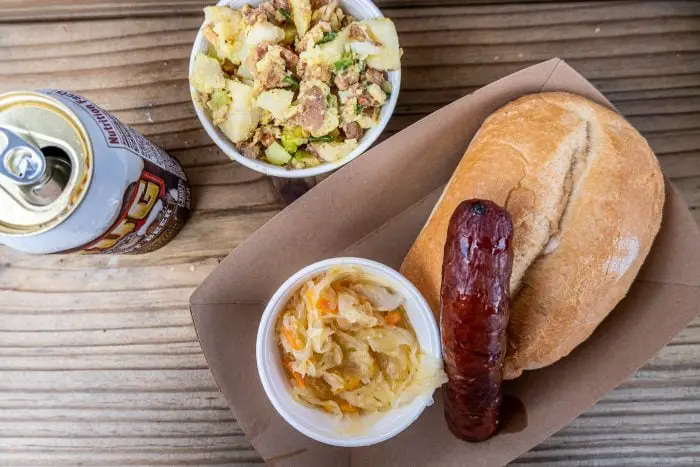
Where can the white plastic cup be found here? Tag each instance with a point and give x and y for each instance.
(360, 9)
(314, 422)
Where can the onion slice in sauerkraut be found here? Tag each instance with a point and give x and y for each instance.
(348, 346)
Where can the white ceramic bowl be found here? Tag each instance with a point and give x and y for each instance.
(361, 9)
(316, 423)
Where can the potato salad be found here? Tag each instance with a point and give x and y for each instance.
(295, 83)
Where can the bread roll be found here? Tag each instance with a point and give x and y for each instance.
(585, 192)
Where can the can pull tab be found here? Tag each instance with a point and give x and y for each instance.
(21, 162)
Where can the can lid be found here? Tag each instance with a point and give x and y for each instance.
(45, 163)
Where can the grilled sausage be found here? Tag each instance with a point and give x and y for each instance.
(474, 315)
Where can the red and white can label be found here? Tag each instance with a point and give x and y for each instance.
(154, 207)
(150, 216)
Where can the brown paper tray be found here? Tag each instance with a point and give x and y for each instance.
(374, 208)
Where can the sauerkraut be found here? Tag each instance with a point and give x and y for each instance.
(348, 346)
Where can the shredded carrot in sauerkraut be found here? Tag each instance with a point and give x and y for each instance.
(349, 347)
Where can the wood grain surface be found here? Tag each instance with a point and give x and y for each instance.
(99, 362)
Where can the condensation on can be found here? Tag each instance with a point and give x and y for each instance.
(107, 188)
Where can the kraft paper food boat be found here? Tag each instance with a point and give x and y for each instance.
(374, 208)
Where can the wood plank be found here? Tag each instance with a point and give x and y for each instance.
(223, 172)
(102, 361)
(130, 444)
(38, 302)
(123, 414)
(115, 400)
(84, 321)
(227, 457)
(124, 278)
(108, 380)
(98, 337)
(136, 350)
(259, 194)
(207, 155)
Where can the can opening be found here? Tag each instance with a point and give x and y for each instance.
(54, 152)
(54, 180)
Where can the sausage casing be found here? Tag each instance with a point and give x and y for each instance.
(474, 300)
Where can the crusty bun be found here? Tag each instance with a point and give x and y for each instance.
(585, 192)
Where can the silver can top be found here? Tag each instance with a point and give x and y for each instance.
(45, 163)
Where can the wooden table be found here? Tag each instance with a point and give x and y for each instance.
(99, 362)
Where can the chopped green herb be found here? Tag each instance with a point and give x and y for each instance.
(291, 82)
(285, 14)
(359, 109)
(321, 139)
(327, 37)
(342, 65)
(332, 100)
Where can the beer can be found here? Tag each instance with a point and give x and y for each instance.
(74, 178)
